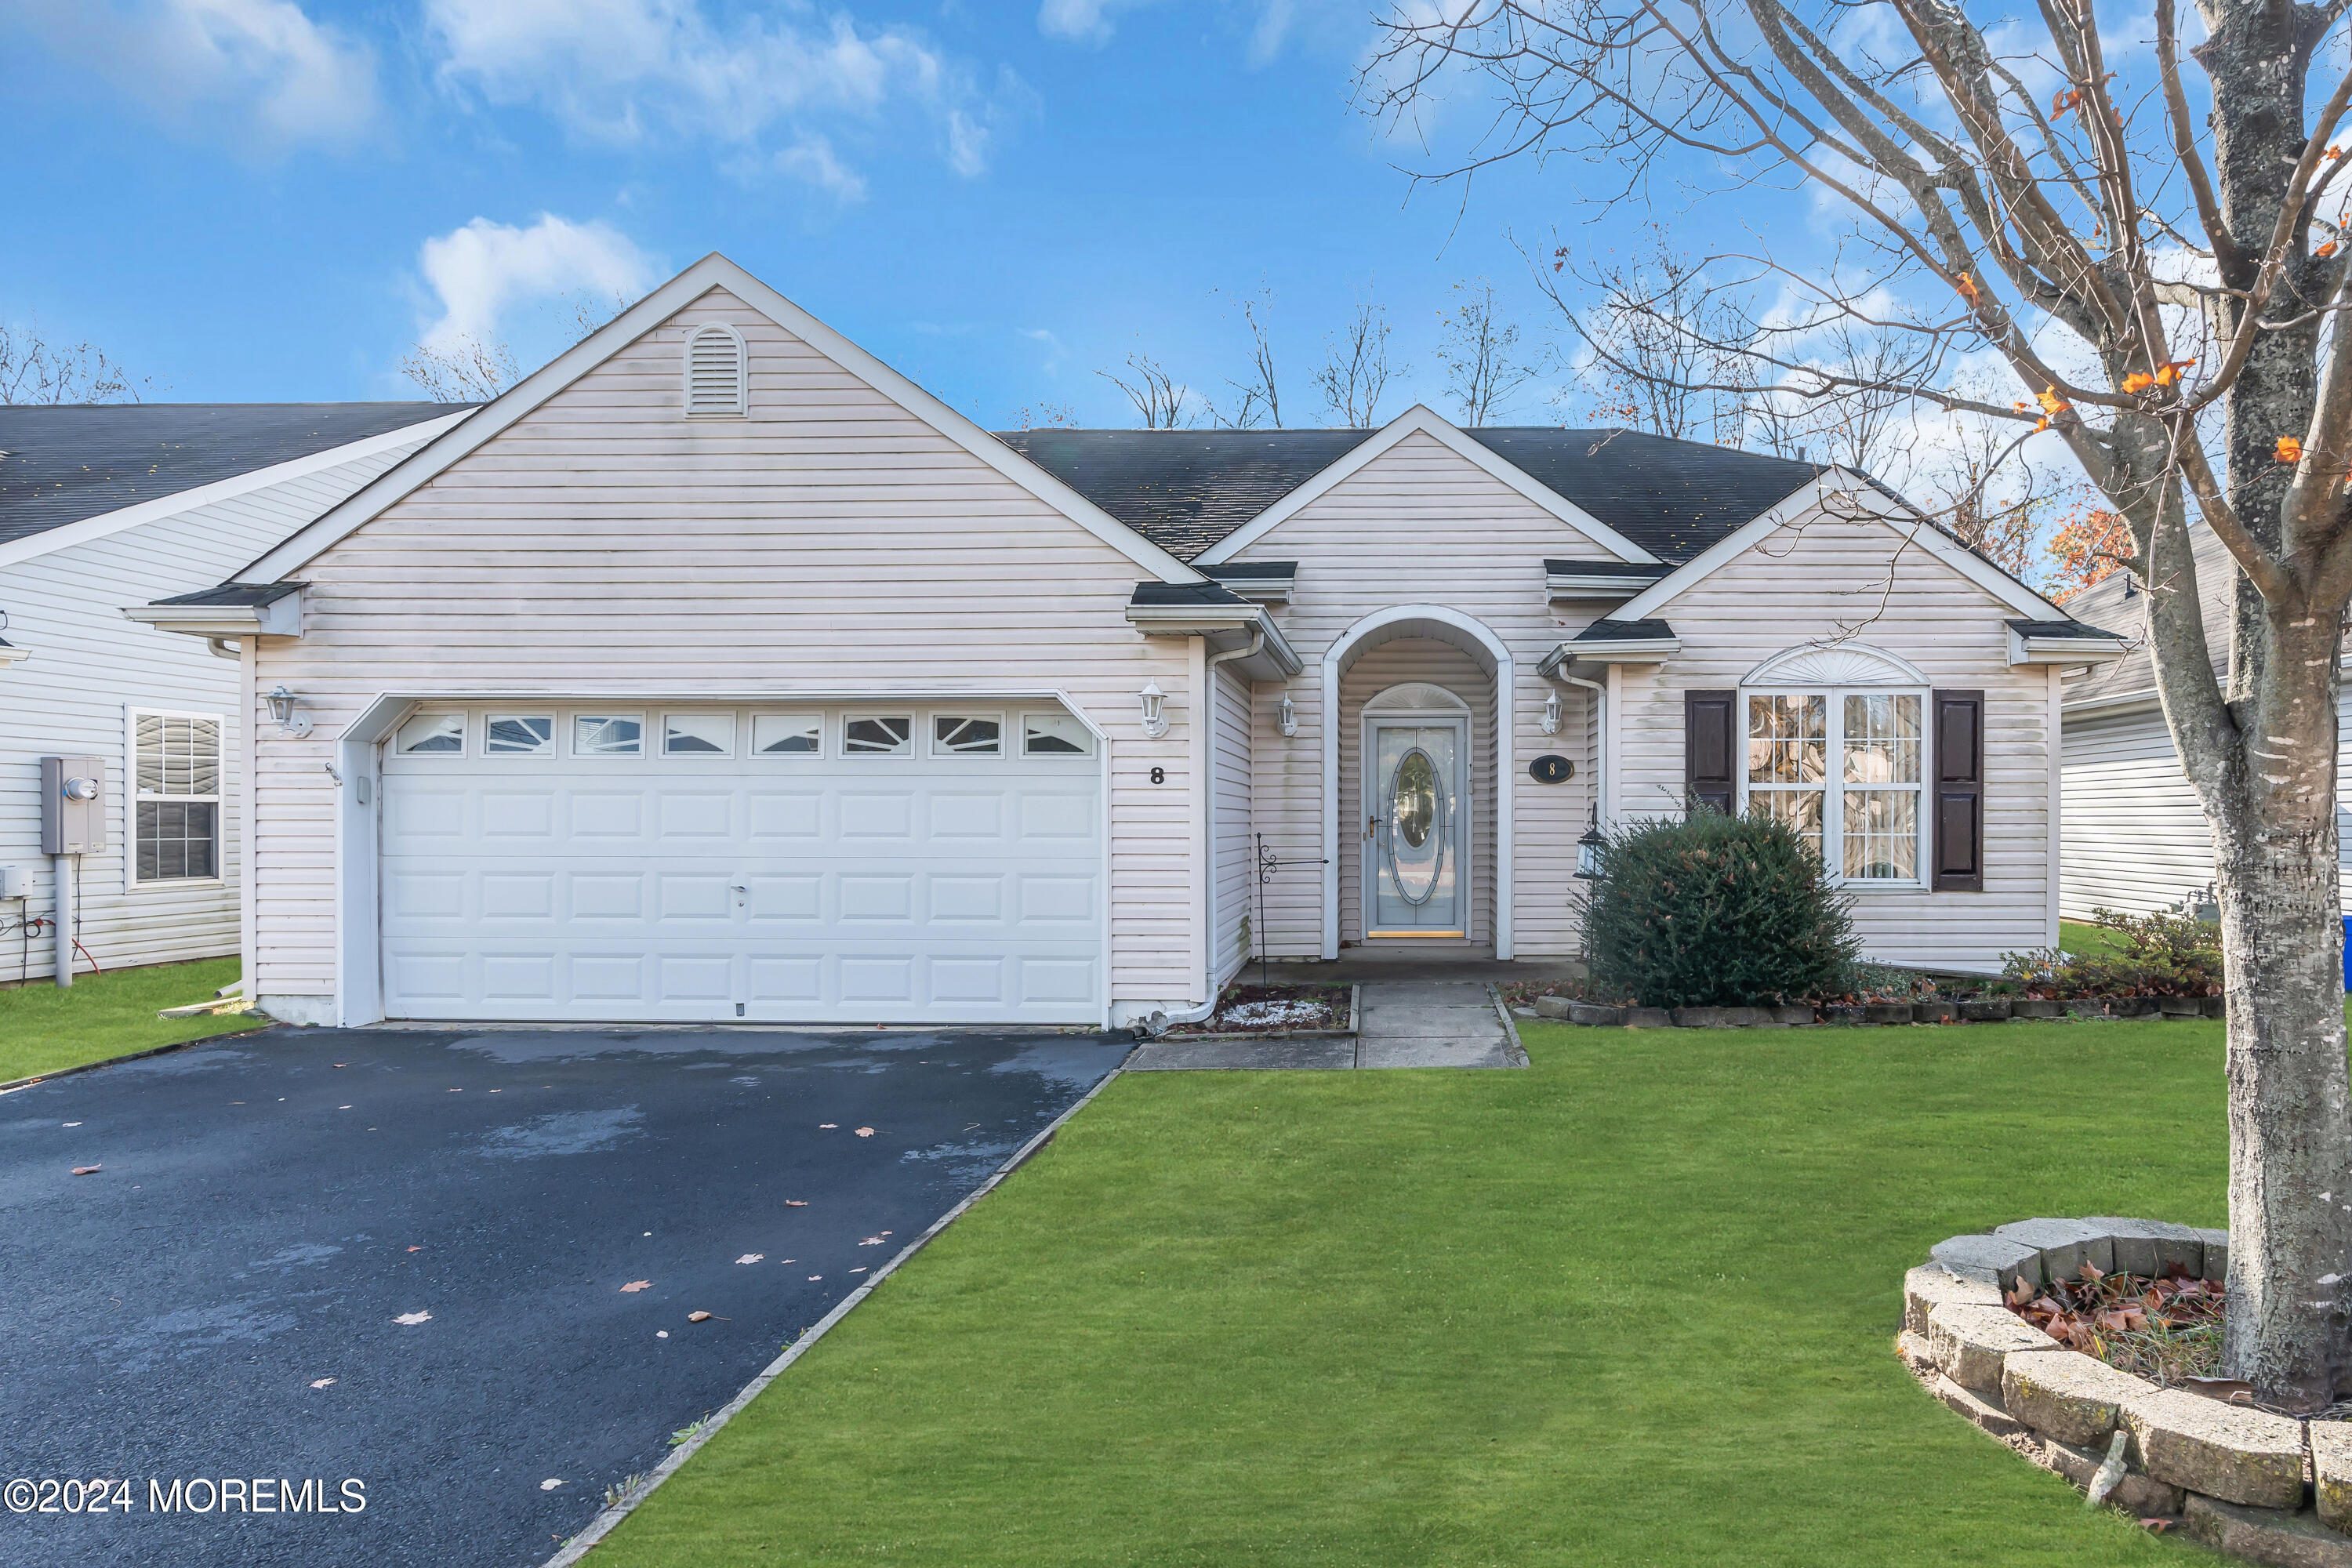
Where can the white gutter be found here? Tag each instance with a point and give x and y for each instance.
(2024, 648)
(1622, 650)
(281, 617)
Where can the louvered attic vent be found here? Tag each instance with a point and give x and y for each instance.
(714, 374)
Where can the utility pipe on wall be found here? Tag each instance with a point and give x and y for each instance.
(65, 868)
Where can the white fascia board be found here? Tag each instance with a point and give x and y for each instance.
(1192, 621)
(10, 655)
(2121, 703)
(713, 271)
(281, 617)
(1854, 492)
(72, 533)
(1420, 419)
(2025, 650)
(1628, 650)
(1577, 586)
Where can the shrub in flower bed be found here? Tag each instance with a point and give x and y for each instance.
(1711, 910)
(2163, 954)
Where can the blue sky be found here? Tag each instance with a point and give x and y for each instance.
(273, 199)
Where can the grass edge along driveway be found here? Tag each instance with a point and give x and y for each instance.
(45, 1029)
(1633, 1305)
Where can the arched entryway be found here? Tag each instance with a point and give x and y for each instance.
(1463, 671)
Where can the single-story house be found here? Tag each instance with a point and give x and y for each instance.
(105, 504)
(2135, 837)
(718, 672)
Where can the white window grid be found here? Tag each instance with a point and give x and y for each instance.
(182, 780)
(1834, 786)
(960, 739)
(851, 719)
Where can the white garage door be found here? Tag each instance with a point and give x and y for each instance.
(874, 864)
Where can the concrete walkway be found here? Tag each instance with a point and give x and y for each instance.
(1403, 1024)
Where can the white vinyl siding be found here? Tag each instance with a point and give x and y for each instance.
(1822, 577)
(1236, 852)
(89, 668)
(1420, 524)
(830, 547)
(2135, 838)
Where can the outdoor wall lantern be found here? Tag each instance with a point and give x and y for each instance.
(1587, 848)
(1286, 717)
(1155, 720)
(1551, 712)
(284, 707)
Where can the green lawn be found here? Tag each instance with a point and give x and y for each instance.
(44, 1030)
(1634, 1305)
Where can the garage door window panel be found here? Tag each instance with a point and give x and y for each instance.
(608, 734)
(788, 734)
(1055, 735)
(433, 734)
(877, 735)
(176, 815)
(519, 734)
(698, 735)
(967, 734)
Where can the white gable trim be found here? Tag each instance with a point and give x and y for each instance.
(1860, 496)
(68, 535)
(1833, 663)
(1421, 420)
(713, 271)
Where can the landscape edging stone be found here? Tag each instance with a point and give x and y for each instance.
(2232, 1474)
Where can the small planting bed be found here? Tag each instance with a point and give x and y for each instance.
(1276, 1011)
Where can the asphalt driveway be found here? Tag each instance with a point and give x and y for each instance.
(403, 1259)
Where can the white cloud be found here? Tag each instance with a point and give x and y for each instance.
(259, 68)
(623, 70)
(1083, 21)
(811, 159)
(480, 272)
(1267, 24)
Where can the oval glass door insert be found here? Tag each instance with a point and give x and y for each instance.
(1416, 848)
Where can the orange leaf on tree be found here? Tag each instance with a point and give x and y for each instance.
(2290, 449)
(2138, 382)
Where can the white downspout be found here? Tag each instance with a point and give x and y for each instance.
(1599, 761)
(1205, 740)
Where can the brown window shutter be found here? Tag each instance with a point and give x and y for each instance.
(1707, 750)
(1958, 731)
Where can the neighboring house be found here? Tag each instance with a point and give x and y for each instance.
(101, 505)
(717, 672)
(2136, 837)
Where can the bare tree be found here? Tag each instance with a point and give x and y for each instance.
(463, 369)
(1045, 415)
(1480, 354)
(35, 369)
(1663, 350)
(2155, 244)
(1261, 395)
(1356, 370)
(1993, 506)
(590, 311)
(1158, 397)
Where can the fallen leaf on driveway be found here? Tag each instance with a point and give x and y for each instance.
(796, 1203)
(324, 1382)
(751, 1257)
(71, 1124)
(661, 1333)
(814, 1278)
(697, 1317)
(87, 1170)
(550, 1484)
(871, 1241)
(866, 1132)
(858, 1270)
(456, 1091)
(410, 1320)
(823, 1125)
(339, 1064)
(416, 1249)
(342, 1107)
(637, 1285)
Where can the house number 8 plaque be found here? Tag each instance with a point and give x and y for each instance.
(1551, 768)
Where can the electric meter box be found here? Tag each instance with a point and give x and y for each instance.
(73, 805)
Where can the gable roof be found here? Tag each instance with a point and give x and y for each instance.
(1190, 490)
(713, 271)
(66, 463)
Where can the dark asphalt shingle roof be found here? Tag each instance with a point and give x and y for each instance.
(2064, 629)
(1186, 594)
(237, 594)
(1185, 489)
(60, 463)
(1623, 631)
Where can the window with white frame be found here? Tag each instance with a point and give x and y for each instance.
(1844, 769)
(175, 828)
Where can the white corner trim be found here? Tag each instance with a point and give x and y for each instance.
(1506, 765)
(713, 271)
(1864, 497)
(72, 533)
(1420, 419)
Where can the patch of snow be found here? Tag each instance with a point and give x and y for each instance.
(1256, 1013)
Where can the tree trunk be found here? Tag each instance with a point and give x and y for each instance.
(2290, 1102)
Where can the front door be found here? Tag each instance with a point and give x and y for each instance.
(1416, 830)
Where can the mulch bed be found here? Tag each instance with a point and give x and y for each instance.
(1273, 1010)
(2168, 1330)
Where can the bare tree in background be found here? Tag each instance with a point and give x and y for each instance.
(1261, 397)
(1655, 345)
(1158, 397)
(463, 369)
(2153, 244)
(1480, 353)
(35, 369)
(1356, 370)
(1045, 416)
(1991, 504)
